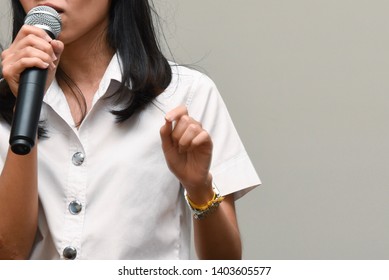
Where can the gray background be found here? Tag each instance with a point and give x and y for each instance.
(306, 84)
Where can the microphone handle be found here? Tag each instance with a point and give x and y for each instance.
(27, 110)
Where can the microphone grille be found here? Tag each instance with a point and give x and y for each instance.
(46, 18)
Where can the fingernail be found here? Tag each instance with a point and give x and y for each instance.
(54, 57)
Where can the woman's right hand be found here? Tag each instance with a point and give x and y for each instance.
(32, 47)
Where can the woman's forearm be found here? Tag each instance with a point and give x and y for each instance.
(18, 205)
(217, 235)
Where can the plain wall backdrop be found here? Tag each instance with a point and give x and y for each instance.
(306, 83)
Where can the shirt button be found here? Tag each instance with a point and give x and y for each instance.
(75, 207)
(70, 253)
(78, 158)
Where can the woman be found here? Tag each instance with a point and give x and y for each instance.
(99, 185)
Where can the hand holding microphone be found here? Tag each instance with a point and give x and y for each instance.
(25, 67)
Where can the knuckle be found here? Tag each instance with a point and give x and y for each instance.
(206, 133)
(47, 58)
(186, 119)
(47, 48)
(194, 127)
(182, 143)
(28, 30)
(4, 54)
(29, 50)
(24, 30)
(6, 72)
(175, 137)
(30, 37)
(24, 62)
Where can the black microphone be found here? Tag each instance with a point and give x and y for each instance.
(32, 86)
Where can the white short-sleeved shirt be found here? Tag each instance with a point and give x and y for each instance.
(105, 190)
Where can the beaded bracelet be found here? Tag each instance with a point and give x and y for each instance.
(201, 211)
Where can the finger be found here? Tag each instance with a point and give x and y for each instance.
(29, 48)
(181, 125)
(26, 49)
(191, 132)
(201, 139)
(37, 43)
(165, 132)
(10, 70)
(25, 58)
(174, 116)
(198, 138)
(58, 48)
(46, 55)
(34, 37)
(176, 113)
(28, 30)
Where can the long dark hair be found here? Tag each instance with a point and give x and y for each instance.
(132, 35)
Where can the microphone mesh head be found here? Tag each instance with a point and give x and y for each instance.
(46, 18)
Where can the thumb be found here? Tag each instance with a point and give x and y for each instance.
(58, 48)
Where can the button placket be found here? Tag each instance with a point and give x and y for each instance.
(75, 194)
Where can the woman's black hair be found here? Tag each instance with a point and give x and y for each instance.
(131, 33)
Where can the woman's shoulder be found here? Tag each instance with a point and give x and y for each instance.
(189, 78)
(188, 86)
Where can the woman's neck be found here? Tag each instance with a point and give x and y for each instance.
(84, 65)
(87, 63)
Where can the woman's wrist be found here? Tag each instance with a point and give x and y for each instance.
(202, 211)
(201, 194)
(203, 200)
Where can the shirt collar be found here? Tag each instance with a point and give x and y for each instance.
(110, 82)
(112, 73)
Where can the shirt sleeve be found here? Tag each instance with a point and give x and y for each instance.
(231, 168)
